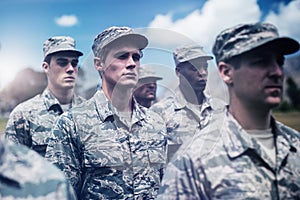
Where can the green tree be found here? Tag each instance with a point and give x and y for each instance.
(293, 92)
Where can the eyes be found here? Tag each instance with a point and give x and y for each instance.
(268, 61)
(63, 62)
(126, 55)
(196, 67)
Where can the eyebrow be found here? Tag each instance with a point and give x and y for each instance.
(121, 53)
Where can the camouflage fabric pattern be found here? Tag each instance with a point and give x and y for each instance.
(114, 33)
(26, 175)
(245, 37)
(103, 157)
(60, 43)
(30, 123)
(224, 162)
(182, 118)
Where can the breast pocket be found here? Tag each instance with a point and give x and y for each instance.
(103, 154)
(40, 141)
(157, 152)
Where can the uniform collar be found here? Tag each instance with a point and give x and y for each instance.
(181, 102)
(237, 141)
(50, 100)
(107, 111)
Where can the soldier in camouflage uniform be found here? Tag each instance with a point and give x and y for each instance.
(145, 92)
(30, 123)
(244, 153)
(24, 174)
(189, 107)
(110, 147)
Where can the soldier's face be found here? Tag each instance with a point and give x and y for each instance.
(63, 71)
(259, 79)
(146, 91)
(194, 74)
(121, 66)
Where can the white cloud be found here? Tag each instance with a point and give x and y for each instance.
(287, 19)
(203, 25)
(66, 20)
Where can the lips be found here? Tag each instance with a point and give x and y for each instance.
(130, 75)
(70, 78)
(274, 87)
(202, 82)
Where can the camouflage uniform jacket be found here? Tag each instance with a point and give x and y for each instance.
(224, 162)
(24, 174)
(103, 157)
(30, 123)
(182, 119)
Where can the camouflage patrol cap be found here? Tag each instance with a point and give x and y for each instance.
(245, 37)
(60, 43)
(189, 52)
(114, 33)
(147, 75)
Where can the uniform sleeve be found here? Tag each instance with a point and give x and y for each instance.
(184, 180)
(64, 150)
(17, 129)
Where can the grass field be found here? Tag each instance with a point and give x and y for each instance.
(2, 124)
(291, 119)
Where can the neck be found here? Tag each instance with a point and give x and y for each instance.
(250, 118)
(145, 102)
(64, 96)
(191, 95)
(120, 97)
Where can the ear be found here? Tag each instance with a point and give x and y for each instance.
(98, 64)
(45, 66)
(177, 70)
(226, 72)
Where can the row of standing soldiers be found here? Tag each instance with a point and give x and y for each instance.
(189, 145)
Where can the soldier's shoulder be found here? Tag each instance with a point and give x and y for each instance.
(164, 105)
(29, 106)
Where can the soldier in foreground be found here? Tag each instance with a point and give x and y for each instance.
(24, 174)
(30, 123)
(244, 153)
(110, 147)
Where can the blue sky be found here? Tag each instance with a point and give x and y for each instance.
(25, 24)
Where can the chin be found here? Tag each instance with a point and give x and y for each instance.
(69, 86)
(274, 104)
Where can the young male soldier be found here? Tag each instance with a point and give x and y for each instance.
(110, 147)
(189, 108)
(30, 123)
(244, 153)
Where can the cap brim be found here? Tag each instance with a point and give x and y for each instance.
(138, 40)
(285, 45)
(193, 59)
(78, 53)
(149, 79)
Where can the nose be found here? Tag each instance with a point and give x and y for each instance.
(276, 72)
(70, 68)
(131, 64)
(202, 72)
